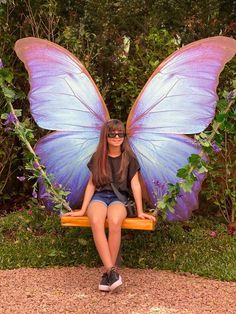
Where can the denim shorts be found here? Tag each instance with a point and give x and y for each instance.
(105, 197)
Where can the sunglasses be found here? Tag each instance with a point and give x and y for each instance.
(113, 135)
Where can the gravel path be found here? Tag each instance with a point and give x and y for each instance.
(74, 290)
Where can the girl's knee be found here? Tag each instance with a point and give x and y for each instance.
(114, 224)
(96, 222)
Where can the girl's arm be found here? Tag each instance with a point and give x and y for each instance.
(137, 192)
(89, 191)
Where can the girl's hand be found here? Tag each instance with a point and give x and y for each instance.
(76, 213)
(147, 216)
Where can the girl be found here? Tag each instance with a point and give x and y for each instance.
(113, 162)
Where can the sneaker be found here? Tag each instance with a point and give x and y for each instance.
(104, 284)
(114, 279)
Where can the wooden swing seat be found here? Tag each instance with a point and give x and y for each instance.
(128, 223)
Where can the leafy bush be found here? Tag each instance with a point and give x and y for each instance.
(120, 43)
(220, 186)
(32, 238)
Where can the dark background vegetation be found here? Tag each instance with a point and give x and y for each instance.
(95, 31)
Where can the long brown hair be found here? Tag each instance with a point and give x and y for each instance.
(101, 170)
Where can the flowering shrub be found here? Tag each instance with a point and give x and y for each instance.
(35, 169)
(219, 143)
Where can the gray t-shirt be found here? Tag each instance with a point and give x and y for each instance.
(124, 185)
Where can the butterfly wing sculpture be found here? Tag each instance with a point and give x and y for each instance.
(63, 97)
(179, 98)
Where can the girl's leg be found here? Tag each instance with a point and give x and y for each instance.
(116, 213)
(97, 213)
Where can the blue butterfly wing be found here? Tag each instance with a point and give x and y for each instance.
(159, 157)
(63, 97)
(179, 98)
(65, 156)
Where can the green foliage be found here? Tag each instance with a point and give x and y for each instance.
(33, 238)
(220, 186)
(134, 67)
(121, 43)
(222, 195)
(200, 247)
(55, 194)
(9, 150)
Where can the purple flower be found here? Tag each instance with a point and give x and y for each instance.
(231, 95)
(159, 184)
(21, 178)
(7, 129)
(34, 194)
(1, 64)
(11, 118)
(57, 185)
(215, 147)
(36, 164)
(45, 195)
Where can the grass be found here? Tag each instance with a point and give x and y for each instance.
(32, 238)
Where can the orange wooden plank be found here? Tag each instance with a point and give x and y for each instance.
(128, 223)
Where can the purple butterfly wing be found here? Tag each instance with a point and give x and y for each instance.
(179, 98)
(65, 155)
(160, 157)
(63, 97)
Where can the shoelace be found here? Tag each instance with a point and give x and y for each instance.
(104, 275)
(112, 269)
